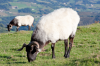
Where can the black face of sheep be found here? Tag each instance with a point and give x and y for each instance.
(32, 50)
(9, 27)
(31, 53)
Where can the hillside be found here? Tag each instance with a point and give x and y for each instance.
(85, 50)
(89, 10)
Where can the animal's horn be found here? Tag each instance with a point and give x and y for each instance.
(24, 45)
(34, 43)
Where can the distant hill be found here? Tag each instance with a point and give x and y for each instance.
(89, 10)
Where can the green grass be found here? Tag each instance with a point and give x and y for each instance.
(19, 4)
(85, 50)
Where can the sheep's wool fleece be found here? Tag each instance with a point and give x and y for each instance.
(25, 20)
(59, 24)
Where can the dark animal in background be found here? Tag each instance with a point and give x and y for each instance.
(21, 21)
(60, 24)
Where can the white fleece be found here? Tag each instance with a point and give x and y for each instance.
(25, 20)
(59, 24)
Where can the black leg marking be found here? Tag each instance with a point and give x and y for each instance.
(17, 28)
(70, 46)
(29, 27)
(66, 47)
(53, 53)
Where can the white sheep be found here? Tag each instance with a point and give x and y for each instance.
(60, 24)
(21, 21)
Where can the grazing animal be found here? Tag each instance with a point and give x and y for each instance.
(21, 21)
(60, 24)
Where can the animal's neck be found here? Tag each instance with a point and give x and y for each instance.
(42, 45)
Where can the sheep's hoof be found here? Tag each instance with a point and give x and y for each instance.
(66, 56)
(53, 57)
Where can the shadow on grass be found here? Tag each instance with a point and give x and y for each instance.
(20, 55)
(10, 60)
(8, 57)
(20, 62)
(16, 62)
(16, 50)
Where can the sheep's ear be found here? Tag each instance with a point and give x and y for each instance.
(24, 45)
(35, 45)
(34, 49)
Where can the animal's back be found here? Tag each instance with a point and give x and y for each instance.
(59, 24)
(25, 20)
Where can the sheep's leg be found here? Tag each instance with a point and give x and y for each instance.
(17, 28)
(53, 53)
(70, 46)
(66, 47)
(29, 27)
(32, 25)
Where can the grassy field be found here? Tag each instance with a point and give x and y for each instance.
(85, 51)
